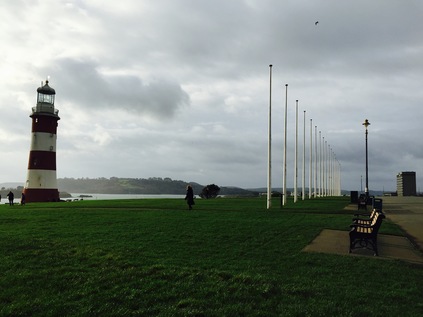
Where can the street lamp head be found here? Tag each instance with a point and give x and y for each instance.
(366, 123)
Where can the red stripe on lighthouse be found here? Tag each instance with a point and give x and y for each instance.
(44, 123)
(42, 160)
(41, 195)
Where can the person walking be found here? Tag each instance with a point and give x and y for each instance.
(11, 196)
(189, 197)
(23, 199)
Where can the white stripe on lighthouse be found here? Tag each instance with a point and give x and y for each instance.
(42, 141)
(41, 179)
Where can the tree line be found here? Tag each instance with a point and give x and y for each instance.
(146, 186)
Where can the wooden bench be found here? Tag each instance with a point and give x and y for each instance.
(365, 218)
(365, 235)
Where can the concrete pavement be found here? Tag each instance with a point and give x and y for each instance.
(407, 212)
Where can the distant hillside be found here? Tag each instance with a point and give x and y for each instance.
(11, 185)
(155, 185)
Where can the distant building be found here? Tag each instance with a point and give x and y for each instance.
(406, 184)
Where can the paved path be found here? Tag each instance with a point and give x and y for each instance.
(389, 247)
(407, 212)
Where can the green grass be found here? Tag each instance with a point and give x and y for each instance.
(227, 257)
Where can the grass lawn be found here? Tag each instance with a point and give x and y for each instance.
(227, 257)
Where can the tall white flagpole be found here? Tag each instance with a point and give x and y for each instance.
(310, 170)
(330, 185)
(296, 152)
(327, 169)
(340, 179)
(325, 151)
(323, 167)
(315, 161)
(333, 174)
(269, 152)
(330, 172)
(328, 178)
(320, 163)
(285, 146)
(304, 150)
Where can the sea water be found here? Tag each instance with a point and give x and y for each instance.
(88, 196)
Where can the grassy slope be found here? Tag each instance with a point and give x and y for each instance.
(228, 257)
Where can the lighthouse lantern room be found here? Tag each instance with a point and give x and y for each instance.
(41, 182)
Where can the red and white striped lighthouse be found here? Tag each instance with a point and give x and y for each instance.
(41, 181)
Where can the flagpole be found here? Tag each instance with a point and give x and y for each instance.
(320, 163)
(327, 169)
(304, 150)
(284, 145)
(296, 152)
(323, 168)
(310, 170)
(315, 161)
(269, 150)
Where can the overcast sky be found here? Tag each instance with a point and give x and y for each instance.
(180, 88)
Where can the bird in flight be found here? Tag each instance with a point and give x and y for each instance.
(317, 22)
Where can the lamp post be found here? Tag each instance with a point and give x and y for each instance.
(366, 123)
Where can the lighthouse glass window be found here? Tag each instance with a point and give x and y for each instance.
(46, 98)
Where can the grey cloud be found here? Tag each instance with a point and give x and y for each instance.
(81, 83)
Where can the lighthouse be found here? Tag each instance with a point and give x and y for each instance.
(41, 181)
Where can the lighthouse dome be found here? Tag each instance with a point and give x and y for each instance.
(46, 89)
(46, 94)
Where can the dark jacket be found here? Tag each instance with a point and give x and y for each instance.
(189, 197)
